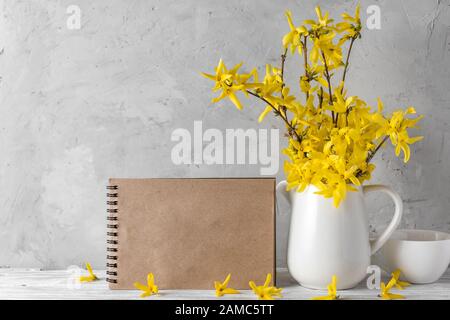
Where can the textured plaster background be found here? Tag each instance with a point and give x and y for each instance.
(79, 106)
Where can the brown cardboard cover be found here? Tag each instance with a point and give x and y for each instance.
(191, 232)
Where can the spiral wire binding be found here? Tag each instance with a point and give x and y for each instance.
(112, 235)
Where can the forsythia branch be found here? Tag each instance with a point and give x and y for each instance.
(372, 154)
(290, 126)
(327, 75)
(330, 150)
(305, 61)
(347, 61)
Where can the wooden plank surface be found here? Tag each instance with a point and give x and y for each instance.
(62, 284)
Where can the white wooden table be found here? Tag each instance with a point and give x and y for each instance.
(61, 284)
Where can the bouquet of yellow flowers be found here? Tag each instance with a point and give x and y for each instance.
(332, 136)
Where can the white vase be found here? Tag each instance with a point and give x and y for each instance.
(326, 241)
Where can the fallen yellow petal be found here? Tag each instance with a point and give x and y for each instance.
(148, 289)
(90, 277)
(86, 279)
(221, 288)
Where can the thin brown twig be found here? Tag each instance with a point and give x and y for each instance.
(372, 154)
(283, 59)
(345, 73)
(319, 109)
(291, 128)
(346, 61)
(320, 98)
(305, 61)
(327, 75)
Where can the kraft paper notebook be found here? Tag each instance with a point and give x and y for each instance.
(190, 232)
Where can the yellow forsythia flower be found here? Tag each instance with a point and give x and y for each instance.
(386, 295)
(293, 38)
(394, 282)
(265, 292)
(332, 291)
(221, 288)
(90, 277)
(230, 82)
(351, 26)
(148, 289)
(399, 284)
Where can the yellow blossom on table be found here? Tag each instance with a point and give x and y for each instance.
(332, 291)
(222, 288)
(385, 293)
(149, 289)
(90, 277)
(265, 292)
(399, 284)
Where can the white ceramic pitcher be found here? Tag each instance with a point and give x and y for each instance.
(326, 241)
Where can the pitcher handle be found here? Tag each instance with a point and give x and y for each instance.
(379, 242)
(281, 188)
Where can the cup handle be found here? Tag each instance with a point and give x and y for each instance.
(376, 244)
(281, 188)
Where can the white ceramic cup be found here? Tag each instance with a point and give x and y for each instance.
(422, 255)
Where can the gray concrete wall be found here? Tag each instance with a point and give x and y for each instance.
(79, 106)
